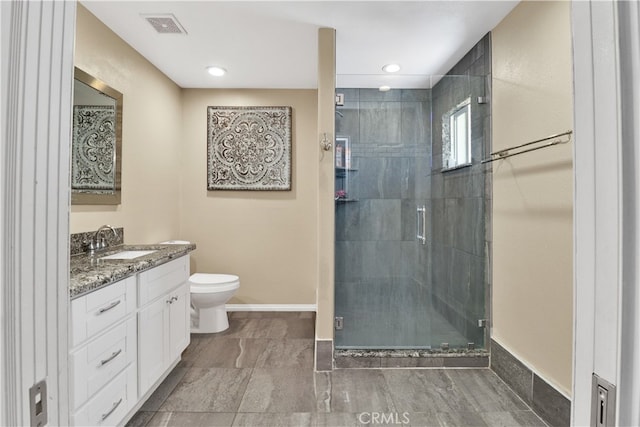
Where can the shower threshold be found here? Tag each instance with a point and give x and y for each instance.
(411, 358)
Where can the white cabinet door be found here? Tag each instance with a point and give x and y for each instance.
(164, 320)
(153, 343)
(180, 311)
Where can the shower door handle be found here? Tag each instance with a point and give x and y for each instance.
(421, 224)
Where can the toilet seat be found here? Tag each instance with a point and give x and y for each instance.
(205, 283)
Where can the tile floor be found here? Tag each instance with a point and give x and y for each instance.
(259, 373)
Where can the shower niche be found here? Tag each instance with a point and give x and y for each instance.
(343, 170)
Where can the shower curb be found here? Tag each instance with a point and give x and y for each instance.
(456, 358)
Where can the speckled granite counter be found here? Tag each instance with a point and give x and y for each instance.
(90, 272)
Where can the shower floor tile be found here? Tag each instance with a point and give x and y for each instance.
(403, 318)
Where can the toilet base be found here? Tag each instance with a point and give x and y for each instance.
(209, 320)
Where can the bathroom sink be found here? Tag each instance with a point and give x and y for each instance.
(127, 255)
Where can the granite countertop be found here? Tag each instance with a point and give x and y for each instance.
(89, 272)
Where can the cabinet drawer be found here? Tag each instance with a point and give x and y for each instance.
(98, 310)
(93, 365)
(111, 404)
(162, 279)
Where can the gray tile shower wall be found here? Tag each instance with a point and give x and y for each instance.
(461, 200)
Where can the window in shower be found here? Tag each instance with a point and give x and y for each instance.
(456, 130)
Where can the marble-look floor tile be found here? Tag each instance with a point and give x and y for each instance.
(336, 419)
(163, 391)
(274, 328)
(516, 418)
(425, 391)
(322, 390)
(191, 419)
(287, 353)
(191, 353)
(268, 380)
(225, 352)
(288, 328)
(324, 355)
(360, 390)
(411, 362)
(280, 390)
(422, 419)
(485, 391)
(209, 390)
(362, 419)
(457, 419)
(274, 420)
(140, 419)
(241, 328)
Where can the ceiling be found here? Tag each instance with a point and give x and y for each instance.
(273, 44)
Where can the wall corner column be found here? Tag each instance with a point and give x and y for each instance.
(326, 223)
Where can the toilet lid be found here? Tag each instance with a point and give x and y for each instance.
(202, 282)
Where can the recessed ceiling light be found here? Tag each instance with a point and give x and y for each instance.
(391, 68)
(384, 88)
(216, 71)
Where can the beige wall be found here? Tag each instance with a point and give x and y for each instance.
(151, 135)
(533, 192)
(268, 238)
(326, 188)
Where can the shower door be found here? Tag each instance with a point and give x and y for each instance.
(411, 243)
(382, 204)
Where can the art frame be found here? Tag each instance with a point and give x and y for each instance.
(249, 148)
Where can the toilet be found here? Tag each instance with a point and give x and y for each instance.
(209, 294)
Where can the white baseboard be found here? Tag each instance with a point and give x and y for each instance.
(271, 307)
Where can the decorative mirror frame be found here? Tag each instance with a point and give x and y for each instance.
(100, 197)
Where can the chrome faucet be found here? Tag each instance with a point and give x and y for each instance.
(98, 243)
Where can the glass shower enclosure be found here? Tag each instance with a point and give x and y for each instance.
(411, 242)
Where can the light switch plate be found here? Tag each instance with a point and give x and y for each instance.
(603, 402)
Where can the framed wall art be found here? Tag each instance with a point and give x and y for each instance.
(248, 148)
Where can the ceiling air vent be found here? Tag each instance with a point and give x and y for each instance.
(165, 23)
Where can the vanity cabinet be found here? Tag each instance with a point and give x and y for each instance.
(164, 319)
(124, 338)
(103, 357)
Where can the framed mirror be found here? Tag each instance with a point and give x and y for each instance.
(96, 142)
